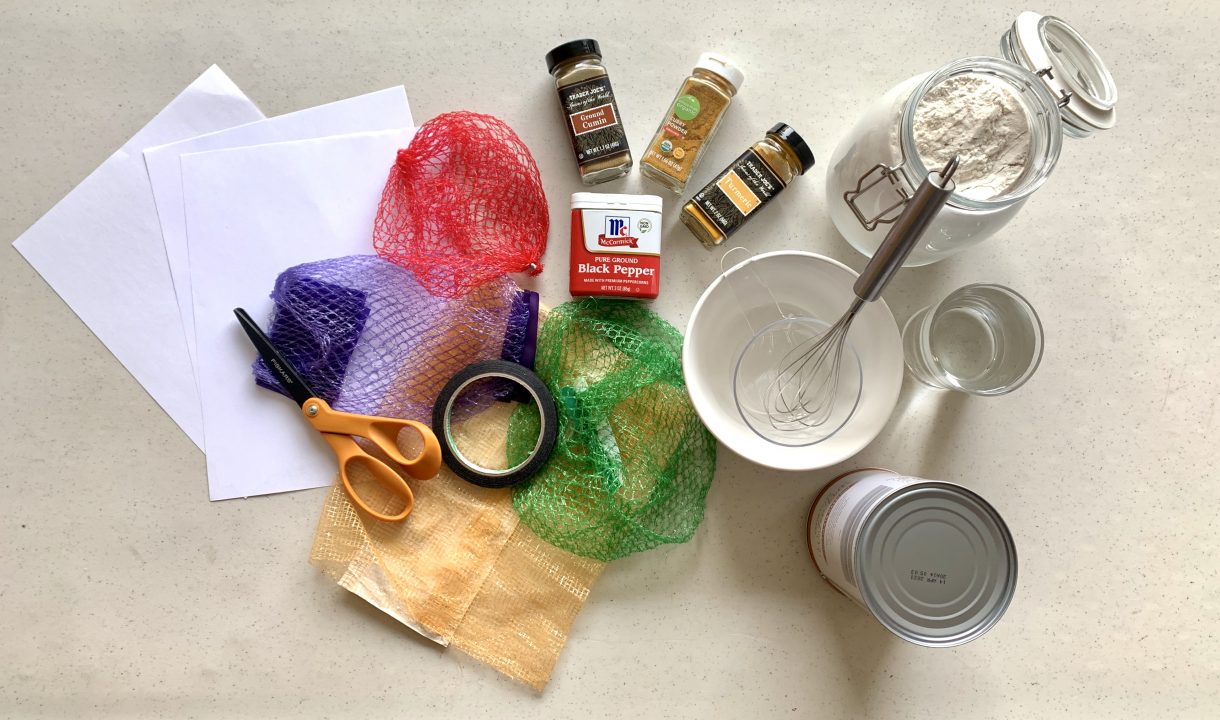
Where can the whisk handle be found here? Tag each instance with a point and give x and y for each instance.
(923, 206)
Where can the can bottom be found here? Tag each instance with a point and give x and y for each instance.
(931, 561)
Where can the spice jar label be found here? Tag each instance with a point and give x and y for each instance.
(686, 107)
(689, 125)
(593, 121)
(742, 188)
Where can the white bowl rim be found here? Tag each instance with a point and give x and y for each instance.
(789, 452)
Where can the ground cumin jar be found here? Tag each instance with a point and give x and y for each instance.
(589, 111)
(746, 185)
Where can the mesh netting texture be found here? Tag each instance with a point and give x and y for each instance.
(368, 339)
(633, 463)
(462, 570)
(463, 205)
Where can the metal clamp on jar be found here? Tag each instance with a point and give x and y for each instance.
(1004, 118)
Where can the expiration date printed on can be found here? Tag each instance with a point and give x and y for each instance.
(929, 577)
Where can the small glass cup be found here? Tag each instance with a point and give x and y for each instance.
(981, 339)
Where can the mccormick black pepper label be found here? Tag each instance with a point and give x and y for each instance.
(616, 253)
(745, 186)
(593, 122)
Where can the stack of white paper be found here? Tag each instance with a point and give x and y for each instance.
(100, 249)
(196, 215)
(385, 110)
(306, 201)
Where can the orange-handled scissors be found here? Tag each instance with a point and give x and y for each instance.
(337, 429)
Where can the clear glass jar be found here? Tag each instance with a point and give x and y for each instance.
(691, 122)
(594, 126)
(1057, 82)
(746, 185)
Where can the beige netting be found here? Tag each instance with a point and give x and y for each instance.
(519, 620)
(461, 570)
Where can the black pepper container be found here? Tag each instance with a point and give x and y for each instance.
(590, 113)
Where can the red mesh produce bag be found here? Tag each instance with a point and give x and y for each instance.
(463, 205)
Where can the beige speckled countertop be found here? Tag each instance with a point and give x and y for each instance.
(124, 592)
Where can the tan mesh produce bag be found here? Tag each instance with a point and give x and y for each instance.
(461, 570)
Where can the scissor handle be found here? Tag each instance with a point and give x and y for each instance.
(349, 454)
(382, 432)
(338, 428)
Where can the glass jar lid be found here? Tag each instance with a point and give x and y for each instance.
(584, 47)
(1070, 68)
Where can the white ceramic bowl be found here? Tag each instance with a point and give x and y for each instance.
(802, 283)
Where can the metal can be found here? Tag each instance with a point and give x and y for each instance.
(932, 561)
(616, 246)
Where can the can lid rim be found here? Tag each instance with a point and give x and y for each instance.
(888, 615)
(616, 201)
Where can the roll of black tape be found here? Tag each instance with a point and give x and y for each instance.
(465, 468)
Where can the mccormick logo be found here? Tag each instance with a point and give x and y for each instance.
(618, 233)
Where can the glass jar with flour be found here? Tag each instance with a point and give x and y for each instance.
(1005, 119)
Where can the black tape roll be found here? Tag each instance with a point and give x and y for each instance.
(533, 386)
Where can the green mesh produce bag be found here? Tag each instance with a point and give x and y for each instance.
(633, 462)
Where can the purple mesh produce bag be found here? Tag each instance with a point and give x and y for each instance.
(369, 339)
(316, 327)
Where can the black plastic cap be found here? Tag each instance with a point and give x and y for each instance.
(570, 50)
(793, 140)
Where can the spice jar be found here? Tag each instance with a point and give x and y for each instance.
(589, 111)
(746, 185)
(692, 121)
(1004, 118)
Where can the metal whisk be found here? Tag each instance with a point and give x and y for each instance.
(804, 391)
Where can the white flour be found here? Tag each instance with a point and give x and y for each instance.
(981, 120)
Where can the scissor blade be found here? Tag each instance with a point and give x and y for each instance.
(283, 370)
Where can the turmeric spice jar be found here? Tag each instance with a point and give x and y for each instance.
(693, 118)
(746, 185)
(589, 111)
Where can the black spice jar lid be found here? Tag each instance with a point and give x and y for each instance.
(569, 50)
(792, 139)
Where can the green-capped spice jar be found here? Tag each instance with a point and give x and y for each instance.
(746, 185)
(589, 111)
(692, 121)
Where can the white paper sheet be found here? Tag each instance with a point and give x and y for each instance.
(384, 110)
(251, 213)
(100, 249)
